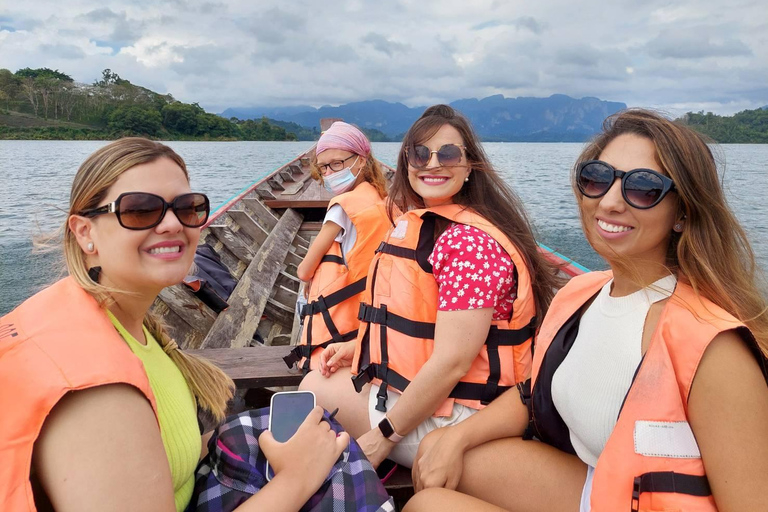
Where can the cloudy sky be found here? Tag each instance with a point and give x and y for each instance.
(678, 56)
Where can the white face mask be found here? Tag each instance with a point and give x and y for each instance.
(340, 181)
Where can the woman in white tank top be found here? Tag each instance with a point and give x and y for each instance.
(651, 204)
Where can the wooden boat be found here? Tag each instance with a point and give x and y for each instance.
(261, 235)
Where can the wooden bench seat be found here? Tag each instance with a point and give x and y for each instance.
(253, 367)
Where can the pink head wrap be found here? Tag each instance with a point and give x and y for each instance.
(344, 136)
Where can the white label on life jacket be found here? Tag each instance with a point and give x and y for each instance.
(400, 229)
(666, 439)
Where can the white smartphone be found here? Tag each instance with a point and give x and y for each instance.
(287, 411)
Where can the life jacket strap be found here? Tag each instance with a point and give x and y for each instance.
(462, 390)
(332, 258)
(334, 299)
(669, 481)
(394, 250)
(426, 330)
(381, 316)
(305, 351)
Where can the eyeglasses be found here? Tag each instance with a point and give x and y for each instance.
(336, 165)
(447, 155)
(640, 188)
(142, 210)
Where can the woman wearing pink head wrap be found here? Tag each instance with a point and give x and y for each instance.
(336, 265)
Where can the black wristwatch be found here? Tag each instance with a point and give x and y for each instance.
(388, 431)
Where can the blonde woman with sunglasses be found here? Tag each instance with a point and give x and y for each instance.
(453, 295)
(99, 405)
(649, 381)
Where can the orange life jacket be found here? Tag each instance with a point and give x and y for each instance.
(651, 461)
(330, 315)
(57, 341)
(398, 316)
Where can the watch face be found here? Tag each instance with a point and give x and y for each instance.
(386, 428)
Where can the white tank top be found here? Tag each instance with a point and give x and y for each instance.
(590, 385)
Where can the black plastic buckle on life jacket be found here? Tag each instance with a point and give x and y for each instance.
(381, 398)
(636, 494)
(380, 248)
(363, 377)
(294, 356)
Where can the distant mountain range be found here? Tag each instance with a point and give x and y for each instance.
(558, 118)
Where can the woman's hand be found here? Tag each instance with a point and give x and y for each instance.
(440, 460)
(375, 446)
(309, 455)
(335, 356)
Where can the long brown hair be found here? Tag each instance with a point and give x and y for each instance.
(210, 386)
(485, 193)
(712, 253)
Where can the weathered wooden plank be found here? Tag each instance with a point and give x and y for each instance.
(289, 281)
(292, 258)
(253, 367)
(235, 326)
(234, 242)
(235, 266)
(178, 329)
(265, 217)
(265, 194)
(285, 296)
(291, 189)
(192, 310)
(249, 226)
(298, 203)
(274, 184)
(287, 176)
(280, 312)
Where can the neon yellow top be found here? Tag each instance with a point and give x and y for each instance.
(176, 410)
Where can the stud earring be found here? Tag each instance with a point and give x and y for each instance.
(89, 247)
(466, 179)
(678, 227)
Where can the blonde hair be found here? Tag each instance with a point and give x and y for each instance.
(371, 172)
(712, 253)
(210, 386)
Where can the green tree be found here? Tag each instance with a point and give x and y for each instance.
(135, 120)
(182, 118)
(43, 72)
(10, 86)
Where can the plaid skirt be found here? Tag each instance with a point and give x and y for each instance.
(235, 469)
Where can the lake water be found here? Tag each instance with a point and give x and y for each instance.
(35, 177)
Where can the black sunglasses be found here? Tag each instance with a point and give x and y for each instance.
(640, 188)
(142, 210)
(447, 155)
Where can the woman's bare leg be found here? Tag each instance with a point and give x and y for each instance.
(338, 391)
(520, 476)
(445, 500)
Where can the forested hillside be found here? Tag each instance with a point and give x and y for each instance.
(749, 126)
(48, 104)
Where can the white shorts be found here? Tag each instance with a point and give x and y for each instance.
(586, 492)
(405, 451)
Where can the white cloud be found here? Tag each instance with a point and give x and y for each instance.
(700, 53)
